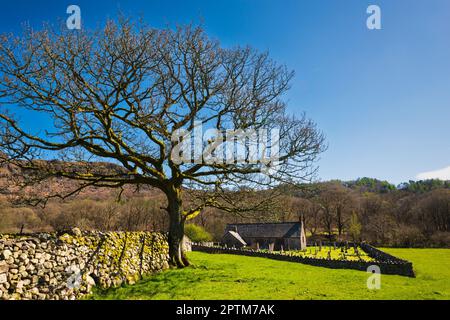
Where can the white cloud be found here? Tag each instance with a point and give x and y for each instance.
(443, 174)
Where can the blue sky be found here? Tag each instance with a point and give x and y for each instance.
(382, 97)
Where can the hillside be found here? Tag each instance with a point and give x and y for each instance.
(15, 182)
(32, 207)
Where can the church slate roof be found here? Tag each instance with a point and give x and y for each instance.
(237, 237)
(266, 230)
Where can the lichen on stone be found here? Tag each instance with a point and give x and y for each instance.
(69, 264)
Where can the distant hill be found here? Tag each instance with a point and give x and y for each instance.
(423, 186)
(370, 185)
(13, 179)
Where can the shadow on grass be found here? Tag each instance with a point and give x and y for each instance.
(167, 284)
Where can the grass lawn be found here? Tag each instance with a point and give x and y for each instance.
(221, 276)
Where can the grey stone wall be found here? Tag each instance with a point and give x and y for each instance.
(68, 265)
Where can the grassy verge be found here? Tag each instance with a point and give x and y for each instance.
(220, 276)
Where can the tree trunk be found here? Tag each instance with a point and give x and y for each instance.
(340, 223)
(177, 257)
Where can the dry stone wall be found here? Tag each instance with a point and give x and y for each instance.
(69, 264)
(388, 265)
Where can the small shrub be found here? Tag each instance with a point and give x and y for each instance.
(197, 233)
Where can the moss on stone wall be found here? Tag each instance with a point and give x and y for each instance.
(67, 265)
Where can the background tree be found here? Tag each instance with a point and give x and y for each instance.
(197, 233)
(378, 224)
(336, 202)
(312, 217)
(121, 93)
(354, 227)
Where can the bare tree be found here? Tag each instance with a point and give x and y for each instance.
(121, 94)
(377, 223)
(311, 214)
(336, 201)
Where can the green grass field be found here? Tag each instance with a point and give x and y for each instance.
(220, 276)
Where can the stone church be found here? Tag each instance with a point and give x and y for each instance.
(270, 236)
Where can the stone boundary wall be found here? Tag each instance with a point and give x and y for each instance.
(67, 265)
(379, 255)
(371, 251)
(392, 265)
